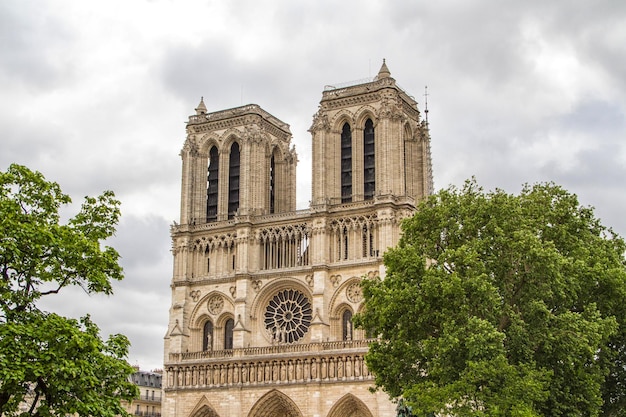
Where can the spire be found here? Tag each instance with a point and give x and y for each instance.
(201, 109)
(383, 72)
(426, 103)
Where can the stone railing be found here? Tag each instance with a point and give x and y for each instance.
(269, 350)
(323, 367)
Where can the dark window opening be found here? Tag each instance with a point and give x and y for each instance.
(233, 180)
(346, 164)
(211, 203)
(272, 184)
(228, 334)
(369, 161)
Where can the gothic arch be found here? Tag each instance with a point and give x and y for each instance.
(340, 297)
(301, 311)
(228, 138)
(204, 409)
(207, 141)
(343, 116)
(364, 113)
(338, 329)
(277, 150)
(221, 321)
(349, 406)
(200, 312)
(408, 132)
(270, 290)
(275, 403)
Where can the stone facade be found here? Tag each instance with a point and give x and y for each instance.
(263, 294)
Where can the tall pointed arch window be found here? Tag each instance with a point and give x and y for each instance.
(346, 325)
(228, 333)
(369, 161)
(207, 336)
(233, 180)
(346, 163)
(273, 184)
(212, 185)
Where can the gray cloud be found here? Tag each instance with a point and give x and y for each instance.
(96, 99)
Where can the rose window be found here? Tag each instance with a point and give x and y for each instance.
(288, 316)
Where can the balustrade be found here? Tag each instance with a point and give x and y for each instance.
(321, 368)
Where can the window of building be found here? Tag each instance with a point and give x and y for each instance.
(288, 316)
(213, 178)
(228, 334)
(346, 164)
(233, 180)
(369, 161)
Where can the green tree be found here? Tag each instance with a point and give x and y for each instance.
(52, 365)
(501, 305)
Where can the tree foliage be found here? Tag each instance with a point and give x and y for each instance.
(52, 365)
(502, 305)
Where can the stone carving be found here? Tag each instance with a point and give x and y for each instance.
(195, 295)
(215, 304)
(309, 280)
(320, 122)
(354, 292)
(335, 280)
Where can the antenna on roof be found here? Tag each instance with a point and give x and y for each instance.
(426, 103)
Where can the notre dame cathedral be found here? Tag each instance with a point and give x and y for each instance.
(263, 294)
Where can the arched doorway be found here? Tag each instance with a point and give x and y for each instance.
(205, 411)
(275, 404)
(349, 406)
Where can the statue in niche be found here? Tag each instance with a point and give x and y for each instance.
(313, 369)
(259, 373)
(290, 370)
(235, 374)
(209, 341)
(298, 370)
(275, 371)
(268, 372)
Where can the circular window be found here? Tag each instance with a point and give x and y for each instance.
(288, 316)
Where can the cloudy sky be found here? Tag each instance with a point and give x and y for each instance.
(95, 95)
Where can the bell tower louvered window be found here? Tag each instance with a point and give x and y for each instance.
(233, 180)
(346, 164)
(272, 185)
(212, 185)
(369, 161)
